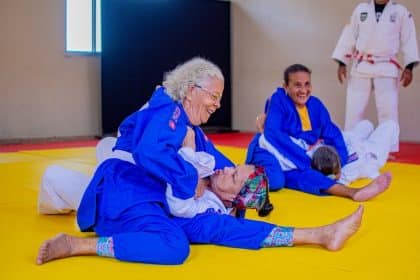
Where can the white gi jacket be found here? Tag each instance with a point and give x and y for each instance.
(378, 42)
(368, 149)
(188, 208)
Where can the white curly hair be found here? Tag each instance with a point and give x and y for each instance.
(189, 73)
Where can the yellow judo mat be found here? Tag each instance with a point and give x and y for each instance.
(387, 245)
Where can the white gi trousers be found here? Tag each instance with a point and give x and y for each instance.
(62, 189)
(372, 148)
(386, 99)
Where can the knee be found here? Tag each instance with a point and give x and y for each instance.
(367, 125)
(177, 252)
(181, 253)
(49, 177)
(49, 201)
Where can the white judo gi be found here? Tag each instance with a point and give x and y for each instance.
(368, 149)
(373, 47)
(62, 189)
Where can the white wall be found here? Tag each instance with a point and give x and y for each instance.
(44, 92)
(269, 35)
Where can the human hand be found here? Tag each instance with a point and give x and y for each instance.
(341, 73)
(201, 187)
(406, 77)
(189, 140)
(260, 121)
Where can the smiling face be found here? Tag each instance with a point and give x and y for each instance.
(203, 99)
(227, 183)
(299, 87)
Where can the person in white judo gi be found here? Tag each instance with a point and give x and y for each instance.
(368, 151)
(377, 32)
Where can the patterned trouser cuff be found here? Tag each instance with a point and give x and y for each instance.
(279, 236)
(105, 247)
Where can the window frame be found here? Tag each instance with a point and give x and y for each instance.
(94, 50)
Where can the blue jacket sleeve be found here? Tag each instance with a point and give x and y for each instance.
(157, 151)
(333, 136)
(276, 134)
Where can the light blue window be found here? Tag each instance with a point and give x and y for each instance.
(83, 26)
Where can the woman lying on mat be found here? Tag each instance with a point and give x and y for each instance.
(133, 229)
(62, 189)
(368, 151)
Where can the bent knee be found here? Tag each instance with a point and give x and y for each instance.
(50, 175)
(179, 248)
(179, 254)
(173, 253)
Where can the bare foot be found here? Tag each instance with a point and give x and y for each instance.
(377, 186)
(336, 234)
(57, 248)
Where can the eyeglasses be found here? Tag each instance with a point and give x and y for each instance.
(216, 97)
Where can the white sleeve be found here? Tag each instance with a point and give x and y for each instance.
(347, 40)
(202, 161)
(408, 43)
(188, 208)
(104, 149)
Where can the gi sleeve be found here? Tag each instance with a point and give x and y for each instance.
(332, 135)
(347, 40)
(157, 151)
(188, 208)
(202, 161)
(409, 48)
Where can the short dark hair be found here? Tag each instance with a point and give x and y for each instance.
(294, 68)
(326, 160)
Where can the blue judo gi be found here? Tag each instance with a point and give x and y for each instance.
(154, 134)
(284, 121)
(127, 201)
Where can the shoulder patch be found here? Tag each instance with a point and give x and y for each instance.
(363, 16)
(176, 113)
(172, 124)
(393, 17)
